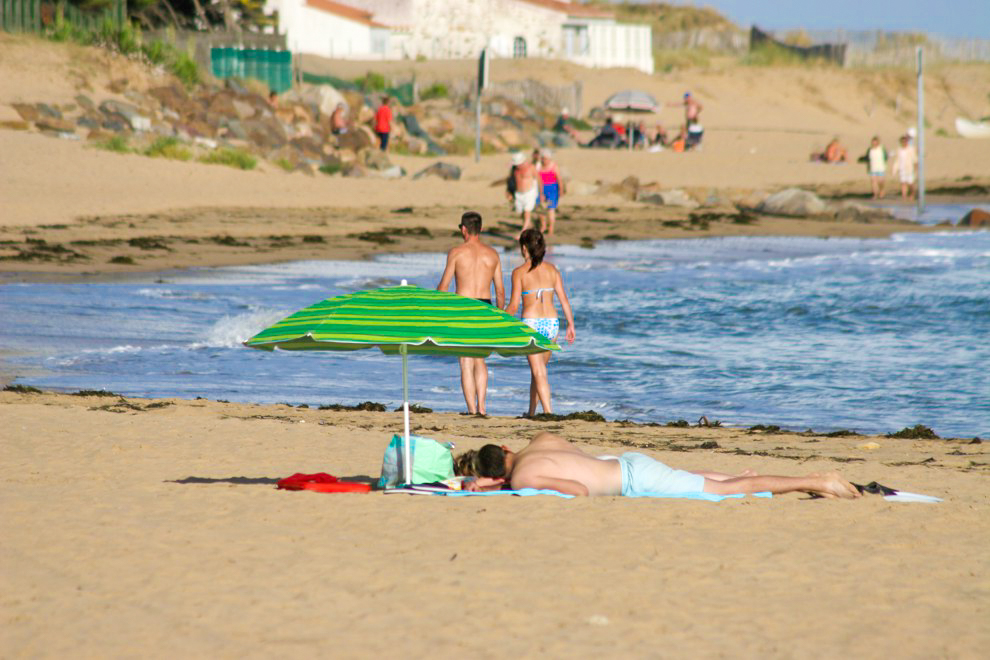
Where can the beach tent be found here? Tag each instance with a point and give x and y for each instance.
(404, 320)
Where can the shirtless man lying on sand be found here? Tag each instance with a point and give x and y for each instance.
(551, 462)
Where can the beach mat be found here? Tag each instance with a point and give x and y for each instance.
(528, 492)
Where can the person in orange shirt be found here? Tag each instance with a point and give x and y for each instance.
(383, 123)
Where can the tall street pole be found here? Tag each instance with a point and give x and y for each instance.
(921, 134)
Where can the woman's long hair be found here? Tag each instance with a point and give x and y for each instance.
(536, 247)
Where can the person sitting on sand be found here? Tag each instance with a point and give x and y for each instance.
(338, 121)
(551, 462)
(564, 125)
(834, 153)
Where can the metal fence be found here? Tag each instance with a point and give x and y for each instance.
(34, 15)
(273, 67)
(21, 15)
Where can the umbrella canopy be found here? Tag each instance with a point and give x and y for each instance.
(404, 319)
(632, 100)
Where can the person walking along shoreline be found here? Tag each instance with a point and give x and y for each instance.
(533, 287)
(475, 267)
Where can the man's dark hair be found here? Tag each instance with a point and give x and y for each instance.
(472, 222)
(491, 461)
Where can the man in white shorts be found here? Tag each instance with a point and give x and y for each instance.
(526, 193)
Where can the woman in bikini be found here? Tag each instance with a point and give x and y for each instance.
(533, 287)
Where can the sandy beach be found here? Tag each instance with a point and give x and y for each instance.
(141, 527)
(152, 528)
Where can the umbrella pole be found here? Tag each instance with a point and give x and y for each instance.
(407, 457)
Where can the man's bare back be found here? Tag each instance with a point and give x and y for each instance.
(474, 266)
(551, 458)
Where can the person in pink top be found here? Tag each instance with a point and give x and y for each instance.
(550, 189)
(383, 123)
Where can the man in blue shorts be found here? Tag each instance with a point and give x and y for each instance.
(551, 462)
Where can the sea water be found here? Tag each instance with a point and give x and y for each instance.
(865, 334)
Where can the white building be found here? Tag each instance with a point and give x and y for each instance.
(457, 29)
(330, 29)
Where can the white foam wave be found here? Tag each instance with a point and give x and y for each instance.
(169, 294)
(232, 331)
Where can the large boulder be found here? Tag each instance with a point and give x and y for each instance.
(850, 211)
(374, 159)
(674, 197)
(793, 202)
(445, 171)
(354, 140)
(119, 110)
(976, 218)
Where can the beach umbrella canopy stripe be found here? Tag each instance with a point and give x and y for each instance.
(424, 321)
(404, 320)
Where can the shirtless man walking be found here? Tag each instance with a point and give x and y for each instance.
(527, 194)
(551, 462)
(475, 266)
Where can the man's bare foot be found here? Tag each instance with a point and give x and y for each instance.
(833, 485)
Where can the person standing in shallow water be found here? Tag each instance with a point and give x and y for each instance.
(533, 287)
(475, 266)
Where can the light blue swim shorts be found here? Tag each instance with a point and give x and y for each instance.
(642, 475)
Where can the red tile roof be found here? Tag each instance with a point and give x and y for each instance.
(572, 8)
(344, 11)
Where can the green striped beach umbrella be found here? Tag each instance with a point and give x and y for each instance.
(402, 320)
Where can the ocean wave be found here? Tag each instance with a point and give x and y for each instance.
(232, 331)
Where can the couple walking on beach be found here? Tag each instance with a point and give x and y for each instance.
(476, 267)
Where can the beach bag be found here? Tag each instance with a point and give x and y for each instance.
(431, 461)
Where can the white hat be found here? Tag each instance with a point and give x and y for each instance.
(564, 111)
(912, 132)
(518, 158)
(546, 153)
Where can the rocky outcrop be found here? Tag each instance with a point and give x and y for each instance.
(793, 202)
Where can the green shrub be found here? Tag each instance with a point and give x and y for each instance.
(231, 158)
(331, 168)
(168, 147)
(285, 164)
(185, 69)
(117, 144)
(434, 91)
(371, 82)
(156, 52)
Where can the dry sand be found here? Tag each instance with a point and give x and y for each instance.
(109, 552)
(106, 552)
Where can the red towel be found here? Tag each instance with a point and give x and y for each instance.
(296, 481)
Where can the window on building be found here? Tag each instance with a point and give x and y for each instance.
(519, 47)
